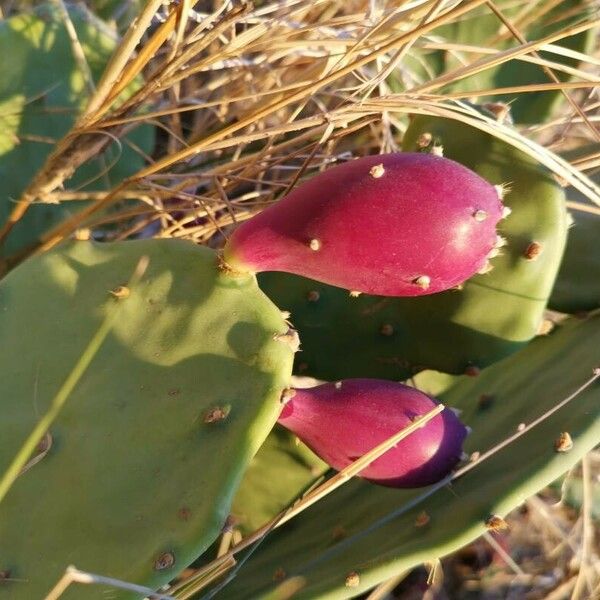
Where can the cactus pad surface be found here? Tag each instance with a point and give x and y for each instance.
(150, 447)
(577, 286)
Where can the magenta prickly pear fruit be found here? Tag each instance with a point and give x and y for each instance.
(342, 421)
(393, 225)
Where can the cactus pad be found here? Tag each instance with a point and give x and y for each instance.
(150, 447)
(281, 468)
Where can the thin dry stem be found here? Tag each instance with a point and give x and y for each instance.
(74, 575)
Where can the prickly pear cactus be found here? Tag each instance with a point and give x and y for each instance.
(362, 534)
(493, 314)
(140, 467)
(342, 421)
(42, 89)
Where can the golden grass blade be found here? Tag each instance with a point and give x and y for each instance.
(556, 66)
(182, 20)
(594, 210)
(114, 69)
(532, 12)
(523, 89)
(75, 45)
(470, 116)
(146, 53)
(521, 39)
(569, 53)
(383, 590)
(583, 586)
(57, 234)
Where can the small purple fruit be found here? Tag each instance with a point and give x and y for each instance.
(393, 225)
(342, 421)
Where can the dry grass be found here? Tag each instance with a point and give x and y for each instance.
(251, 99)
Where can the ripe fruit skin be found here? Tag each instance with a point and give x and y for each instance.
(342, 421)
(403, 224)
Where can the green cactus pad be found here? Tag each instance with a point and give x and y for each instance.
(577, 286)
(492, 316)
(354, 529)
(151, 445)
(41, 91)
